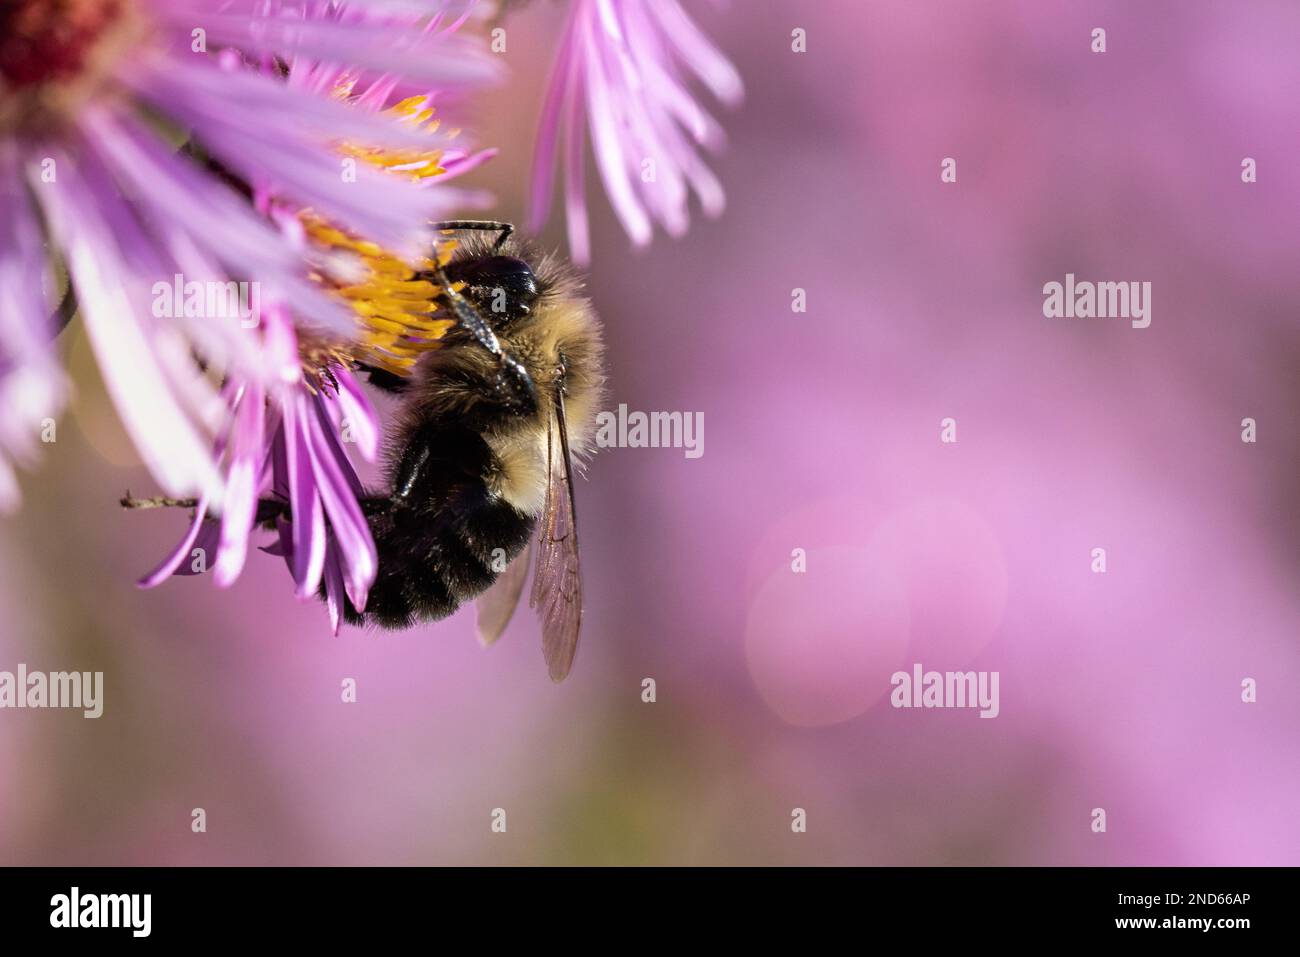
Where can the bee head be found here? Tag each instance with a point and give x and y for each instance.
(502, 288)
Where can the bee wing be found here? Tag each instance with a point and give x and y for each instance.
(557, 581)
(497, 604)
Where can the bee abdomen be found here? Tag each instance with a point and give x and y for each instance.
(432, 560)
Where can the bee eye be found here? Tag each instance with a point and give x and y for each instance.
(501, 283)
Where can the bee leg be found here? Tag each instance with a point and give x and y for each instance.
(271, 510)
(410, 473)
(514, 387)
(385, 380)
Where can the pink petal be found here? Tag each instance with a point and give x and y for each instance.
(308, 523)
(355, 409)
(172, 562)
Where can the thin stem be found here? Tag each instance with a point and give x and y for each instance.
(158, 502)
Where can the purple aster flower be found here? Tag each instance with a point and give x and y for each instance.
(622, 66)
(93, 96)
(282, 455)
(284, 465)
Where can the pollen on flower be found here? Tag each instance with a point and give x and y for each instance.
(396, 303)
(413, 164)
(397, 307)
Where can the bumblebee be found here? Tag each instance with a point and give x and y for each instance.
(482, 452)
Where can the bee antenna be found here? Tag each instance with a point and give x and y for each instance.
(503, 229)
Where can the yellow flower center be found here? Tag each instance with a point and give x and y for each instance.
(396, 304)
(412, 163)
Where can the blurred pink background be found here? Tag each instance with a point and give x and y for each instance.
(1120, 691)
